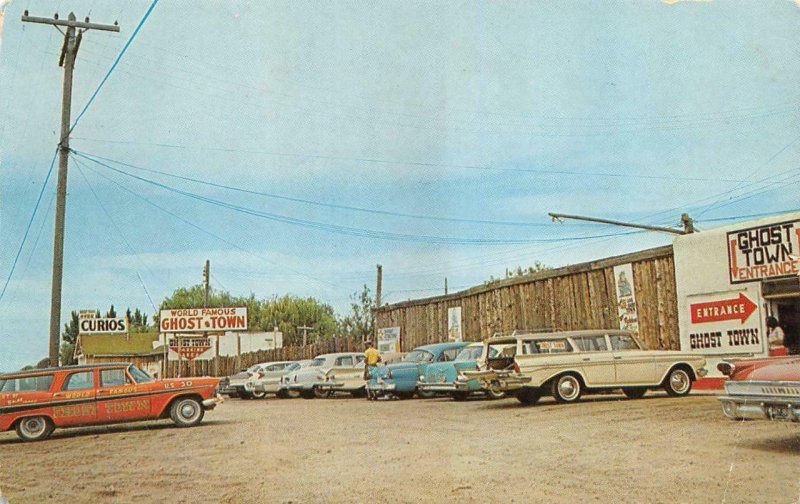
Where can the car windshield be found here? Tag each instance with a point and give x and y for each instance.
(418, 356)
(317, 363)
(139, 375)
(470, 353)
(292, 366)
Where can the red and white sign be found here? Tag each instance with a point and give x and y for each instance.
(768, 251)
(190, 348)
(739, 308)
(203, 319)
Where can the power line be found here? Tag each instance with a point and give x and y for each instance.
(114, 65)
(347, 230)
(28, 227)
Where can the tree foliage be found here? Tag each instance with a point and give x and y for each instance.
(519, 271)
(360, 322)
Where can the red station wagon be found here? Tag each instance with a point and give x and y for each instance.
(36, 401)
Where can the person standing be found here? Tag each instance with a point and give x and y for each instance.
(775, 337)
(371, 359)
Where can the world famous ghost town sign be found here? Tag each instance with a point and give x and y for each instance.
(203, 319)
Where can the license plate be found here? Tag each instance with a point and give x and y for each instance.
(778, 412)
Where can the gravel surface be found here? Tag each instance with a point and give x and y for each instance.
(603, 449)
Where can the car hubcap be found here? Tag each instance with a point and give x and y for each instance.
(188, 410)
(679, 381)
(33, 426)
(568, 388)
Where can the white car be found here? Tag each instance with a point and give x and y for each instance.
(570, 363)
(283, 384)
(267, 378)
(234, 385)
(327, 374)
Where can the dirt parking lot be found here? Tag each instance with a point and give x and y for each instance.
(604, 449)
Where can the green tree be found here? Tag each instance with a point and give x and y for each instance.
(111, 313)
(68, 340)
(360, 322)
(519, 271)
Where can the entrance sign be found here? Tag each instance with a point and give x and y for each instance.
(768, 251)
(626, 299)
(723, 323)
(389, 339)
(727, 309)
(191, 347)
(203, 319)
(454, 323)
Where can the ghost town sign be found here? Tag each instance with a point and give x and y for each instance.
(764, 252)
(203, 319)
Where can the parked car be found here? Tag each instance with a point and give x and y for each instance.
(401, 379)
(762, 388)
(569, 364)
(235, 385)
(315, 381)
(442, 377)
(267, 379)
(37, 401)
(283, 384)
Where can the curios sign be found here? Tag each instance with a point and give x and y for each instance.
(768, 251)
(90, 323)
(203, 319)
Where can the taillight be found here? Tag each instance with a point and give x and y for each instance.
(516, 367)
(260, 374)
(726, 368)
(388, 373)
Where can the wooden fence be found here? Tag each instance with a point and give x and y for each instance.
(226, 366)
(582, 296)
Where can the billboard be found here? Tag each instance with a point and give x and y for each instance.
(762, 252)
(203, 319)
(388, 339)
(626, 299)
(454, 324)
(90, 323)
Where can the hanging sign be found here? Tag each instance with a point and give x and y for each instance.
(203, 319)
(768, 251)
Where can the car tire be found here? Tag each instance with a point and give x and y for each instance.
(405, 395)
(528, 395)
(359, 393)
(460, 396)
(426, 394)
(567, 388)
(186, 412)
(282, 394)
(634, 392)
(494, 394)
(35, 428)
(258, 395)
(322, 394)
(307, 394)
(678, 382)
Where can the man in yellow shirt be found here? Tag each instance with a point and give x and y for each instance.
(371, 354)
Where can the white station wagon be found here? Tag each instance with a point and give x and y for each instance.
(570, 363)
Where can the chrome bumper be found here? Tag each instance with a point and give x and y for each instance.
(436, 387)
(761, 407)
(302, 386)
(381, 386)
(329, 385)
(210, 404)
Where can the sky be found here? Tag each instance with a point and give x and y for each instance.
(298, 144)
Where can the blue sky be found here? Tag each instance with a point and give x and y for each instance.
(478, 111)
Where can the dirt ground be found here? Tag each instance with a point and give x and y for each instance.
(603, 449)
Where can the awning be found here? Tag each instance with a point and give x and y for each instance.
(781, 288)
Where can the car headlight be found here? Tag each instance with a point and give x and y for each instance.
(422, 377)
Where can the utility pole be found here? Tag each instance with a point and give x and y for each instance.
(69, 51)
(378, 286)
(445, 286)
(685, 219)
(305, 330)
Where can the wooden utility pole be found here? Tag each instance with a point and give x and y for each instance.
(688, 228)
(305, 330)
(445, 286)
(69, 51)
(378, 286)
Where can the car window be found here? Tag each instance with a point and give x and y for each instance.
(112, 377)
(138, 375)
(293, 366)
(27, 384)
(623, 342)
(418, 356)
(547, 346)
(317, 363)
(78, 381)
(591, 343)
(471, 353)
(344, 361)
(448, 355)
(359, 359)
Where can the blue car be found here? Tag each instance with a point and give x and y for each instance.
(443, 377)
(401, 379)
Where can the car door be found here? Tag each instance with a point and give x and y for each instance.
(120, 398)
(632, 365)
(596, 361)
(75, 403)
(272, 376)
(347, 371)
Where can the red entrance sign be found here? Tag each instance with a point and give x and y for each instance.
(726, 309)
(190, 348)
